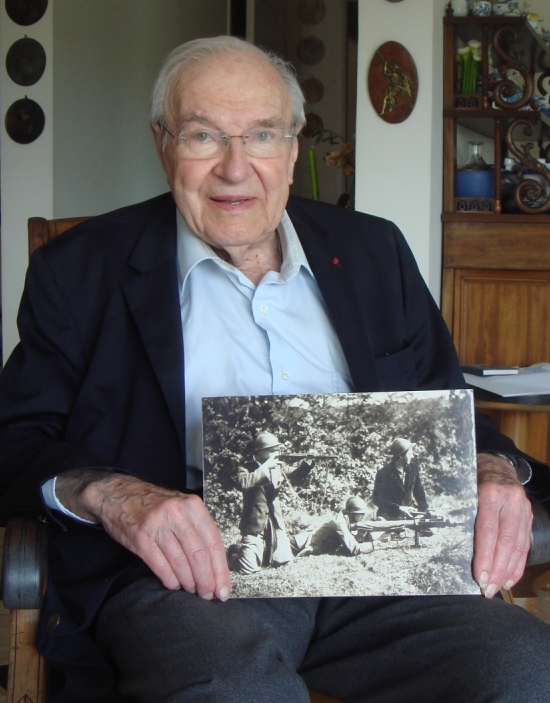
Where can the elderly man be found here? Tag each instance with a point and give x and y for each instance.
(398, 484)
(225, 287)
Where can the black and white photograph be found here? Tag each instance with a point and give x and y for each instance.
(343, 494)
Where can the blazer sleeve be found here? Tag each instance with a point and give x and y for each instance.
(38, 387)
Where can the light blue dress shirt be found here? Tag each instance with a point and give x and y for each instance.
(241, 339)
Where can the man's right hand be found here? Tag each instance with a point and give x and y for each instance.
(172, 532)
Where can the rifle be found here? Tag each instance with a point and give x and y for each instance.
(375, 529)
(305, 455)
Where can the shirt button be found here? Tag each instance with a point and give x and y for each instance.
(263, 309)
(285, 375)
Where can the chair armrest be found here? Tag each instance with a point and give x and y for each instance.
(540, 536)
(23, 574)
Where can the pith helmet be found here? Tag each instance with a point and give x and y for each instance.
(399, 447)
(265, 440)
(355, 505)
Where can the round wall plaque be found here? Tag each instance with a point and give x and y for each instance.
(311, 11)
(26, 61)
(314, 124)
(392, 82)
(26, 12)
(311, 50)
(313, 90)
(24, 121)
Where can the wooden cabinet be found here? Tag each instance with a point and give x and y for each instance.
(496, 251)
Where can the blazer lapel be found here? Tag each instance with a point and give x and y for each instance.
(151, 291)
(328, 262)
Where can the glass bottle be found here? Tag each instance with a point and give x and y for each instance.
(475, 158)
(475, 179)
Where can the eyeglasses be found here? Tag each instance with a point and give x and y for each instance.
(260, 142)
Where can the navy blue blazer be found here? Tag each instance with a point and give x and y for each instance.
(97, 379)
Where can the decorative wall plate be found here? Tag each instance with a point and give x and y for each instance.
(26, 61)
(24, 121)
(313, 90)
(311, 50)
(26, 12)
(311, 11)
(314, 124)
(392, 82)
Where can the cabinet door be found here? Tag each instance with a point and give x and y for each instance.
(502, 317)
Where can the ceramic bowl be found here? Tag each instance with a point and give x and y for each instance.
(500, 8)
(513, 9)
(481, 8)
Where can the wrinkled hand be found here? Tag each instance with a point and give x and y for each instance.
(172, 532)
(503, 526)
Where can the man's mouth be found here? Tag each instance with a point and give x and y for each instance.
(233, 201)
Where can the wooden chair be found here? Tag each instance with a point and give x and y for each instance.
(41, 230)
(24, 564)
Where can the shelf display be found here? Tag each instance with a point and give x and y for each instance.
(496, 85)
(496, 242)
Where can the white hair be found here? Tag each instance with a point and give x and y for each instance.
(206, 48)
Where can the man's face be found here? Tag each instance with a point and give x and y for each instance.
(264, 454)
(232, 199)
(404, 459)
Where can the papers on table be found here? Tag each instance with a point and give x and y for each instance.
(530, 380)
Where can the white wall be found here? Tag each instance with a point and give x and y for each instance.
(26, 169)
(107, 55)
(96, 152)
(399, 165)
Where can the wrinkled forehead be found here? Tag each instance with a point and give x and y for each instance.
(229, 85)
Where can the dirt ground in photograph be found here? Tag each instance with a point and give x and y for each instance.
(440, 565)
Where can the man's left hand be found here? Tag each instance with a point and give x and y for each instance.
(503, 525)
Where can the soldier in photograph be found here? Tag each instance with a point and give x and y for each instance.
(336, 536)
(398, 484)
(264, 541)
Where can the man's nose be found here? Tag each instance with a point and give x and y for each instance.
(235, 162)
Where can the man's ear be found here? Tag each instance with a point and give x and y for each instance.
(157, 131)
(292, 161)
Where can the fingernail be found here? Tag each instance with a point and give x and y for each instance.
(508, 585)
(483, 579)
(208, 596)
(490, 590)
(224, 593)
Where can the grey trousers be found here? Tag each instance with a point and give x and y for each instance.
(173, 647)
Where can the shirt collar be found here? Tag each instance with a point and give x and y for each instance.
(192, 250)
